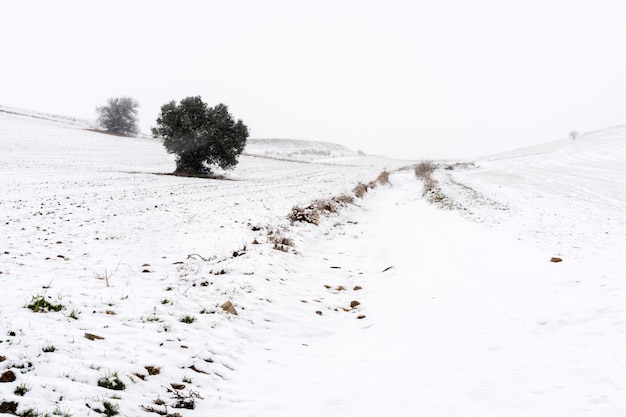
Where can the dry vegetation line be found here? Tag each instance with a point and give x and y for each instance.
(431, 189)
(318, 209)
(176, 397)
(323, 207)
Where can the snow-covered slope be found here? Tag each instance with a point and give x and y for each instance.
(567, 195)
(390, 306)
(299, 150)
(64, 120)
(89, 222)
(465, 318)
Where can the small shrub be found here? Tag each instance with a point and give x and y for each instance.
(429, 184)
(344, 199)
(23, 365)
(424, 169)
(187, 319)
(326, 206)
(40, 305)
(383, 178)
(74, 314)
(112, 382)
(108, 409)
(314, 211)
(360, 190)
(21, 390)
(304, 214)
(280, 241)
(49, 349)
(57, 412)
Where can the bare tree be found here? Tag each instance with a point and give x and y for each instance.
(573, 134)
(119, 116)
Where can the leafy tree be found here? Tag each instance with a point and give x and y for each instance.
(200, 136)
(119, 116)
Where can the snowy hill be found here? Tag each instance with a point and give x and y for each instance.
(302, 150)
(116, 281)
(593, 141)
(568, 194)
(288, 149)
(87, 225)
(66, 120)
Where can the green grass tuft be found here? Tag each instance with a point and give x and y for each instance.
(40, 305)
(112, 382)
(187, 319)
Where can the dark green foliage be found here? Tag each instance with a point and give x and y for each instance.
(40, 305)
(119, 116)
(187, 319)
(21, 390)
(200, 136)
(109, 410)
(112, 382)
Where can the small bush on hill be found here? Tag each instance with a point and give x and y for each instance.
(424, 169)
(306, 214)
(280, 241)
(383, 178)
(40, 305)
(361, 189)
(112, 382)
(312, 212)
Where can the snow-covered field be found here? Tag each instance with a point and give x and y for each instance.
(298, 150)
(392, 306)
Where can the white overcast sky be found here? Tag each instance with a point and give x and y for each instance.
(415, 79)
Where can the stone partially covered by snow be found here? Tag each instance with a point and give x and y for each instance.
(390, 306)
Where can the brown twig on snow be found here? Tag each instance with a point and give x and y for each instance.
(199, 256)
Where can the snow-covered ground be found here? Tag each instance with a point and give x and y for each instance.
(392, 306)
(300, 150)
